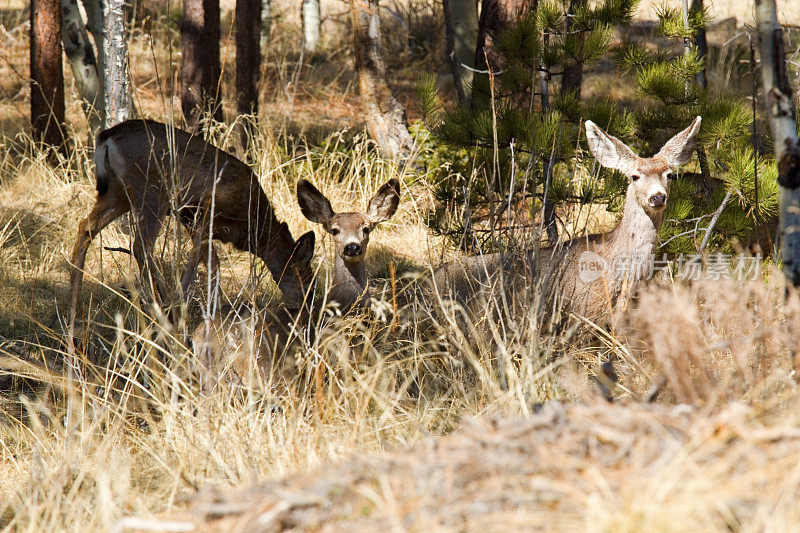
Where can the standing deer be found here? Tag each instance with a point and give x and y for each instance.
(248, 343)
(151, 170)
(590, 274)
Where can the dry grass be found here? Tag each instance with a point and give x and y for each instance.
(400, 423)
(595, 467)
(788, 10)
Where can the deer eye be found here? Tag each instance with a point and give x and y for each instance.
(635, 177)
(366, 230)
(334, 231)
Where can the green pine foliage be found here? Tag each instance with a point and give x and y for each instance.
(669, 100)
(506, 147)
(517, 148)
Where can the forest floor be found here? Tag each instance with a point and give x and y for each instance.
(411, 430)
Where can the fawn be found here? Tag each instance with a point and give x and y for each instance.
(248, 343)
(350, 232)
(590, 275)
(153, 169)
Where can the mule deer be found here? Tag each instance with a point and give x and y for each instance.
(152, 169)
(350, 232)
(231, 344)
(591, 273)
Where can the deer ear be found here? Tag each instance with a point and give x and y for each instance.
(608, 150)
(678, 150)
(313, 204)
(384, 204)
(304, 249)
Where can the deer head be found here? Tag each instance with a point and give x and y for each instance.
(649, 178)
(350, 230)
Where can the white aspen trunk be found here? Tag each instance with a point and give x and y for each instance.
(118, 103)
(780, 107)
(83, 62)
(266, 22)
(311, 23)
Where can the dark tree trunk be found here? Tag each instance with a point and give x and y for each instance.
(386, 117)
(248, 60)
(496, 15)
(47, 74)
(702, 45)
(572, 79)
(461, 32)
(779, 103)
(200, 67)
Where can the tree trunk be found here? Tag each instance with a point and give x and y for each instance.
(572, 79)
(248, 61)
(83, 62)
(496, 15)
(200, 67)
(780, 106)
(47, 74)
(117, 84)
(386, 117)
(266, 22)
(461, 29)
(701, 42)
(311, 22)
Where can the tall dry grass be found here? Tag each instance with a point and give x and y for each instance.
(134, 436)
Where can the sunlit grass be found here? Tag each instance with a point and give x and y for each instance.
(134, 435)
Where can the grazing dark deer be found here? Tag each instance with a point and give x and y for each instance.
(152, 170)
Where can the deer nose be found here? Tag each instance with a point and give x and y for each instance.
(352, 249)
(658, 200)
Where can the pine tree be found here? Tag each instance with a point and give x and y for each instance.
(520, 159)
(522, 139)
(734, 182)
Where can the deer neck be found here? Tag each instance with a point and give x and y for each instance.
(349, 283)
(275, 248)
(635, 237)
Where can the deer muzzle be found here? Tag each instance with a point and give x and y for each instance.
(353, 249)
(657, 200)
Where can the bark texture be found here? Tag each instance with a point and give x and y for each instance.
(47, 74)
(200, 67)
(311, 24)
(385, 115)
(248, 60)
(780, 107)
(117, 86)
(701, 41)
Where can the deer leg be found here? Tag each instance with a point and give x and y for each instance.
(146, 230)
(102, 214)
(206, 252)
